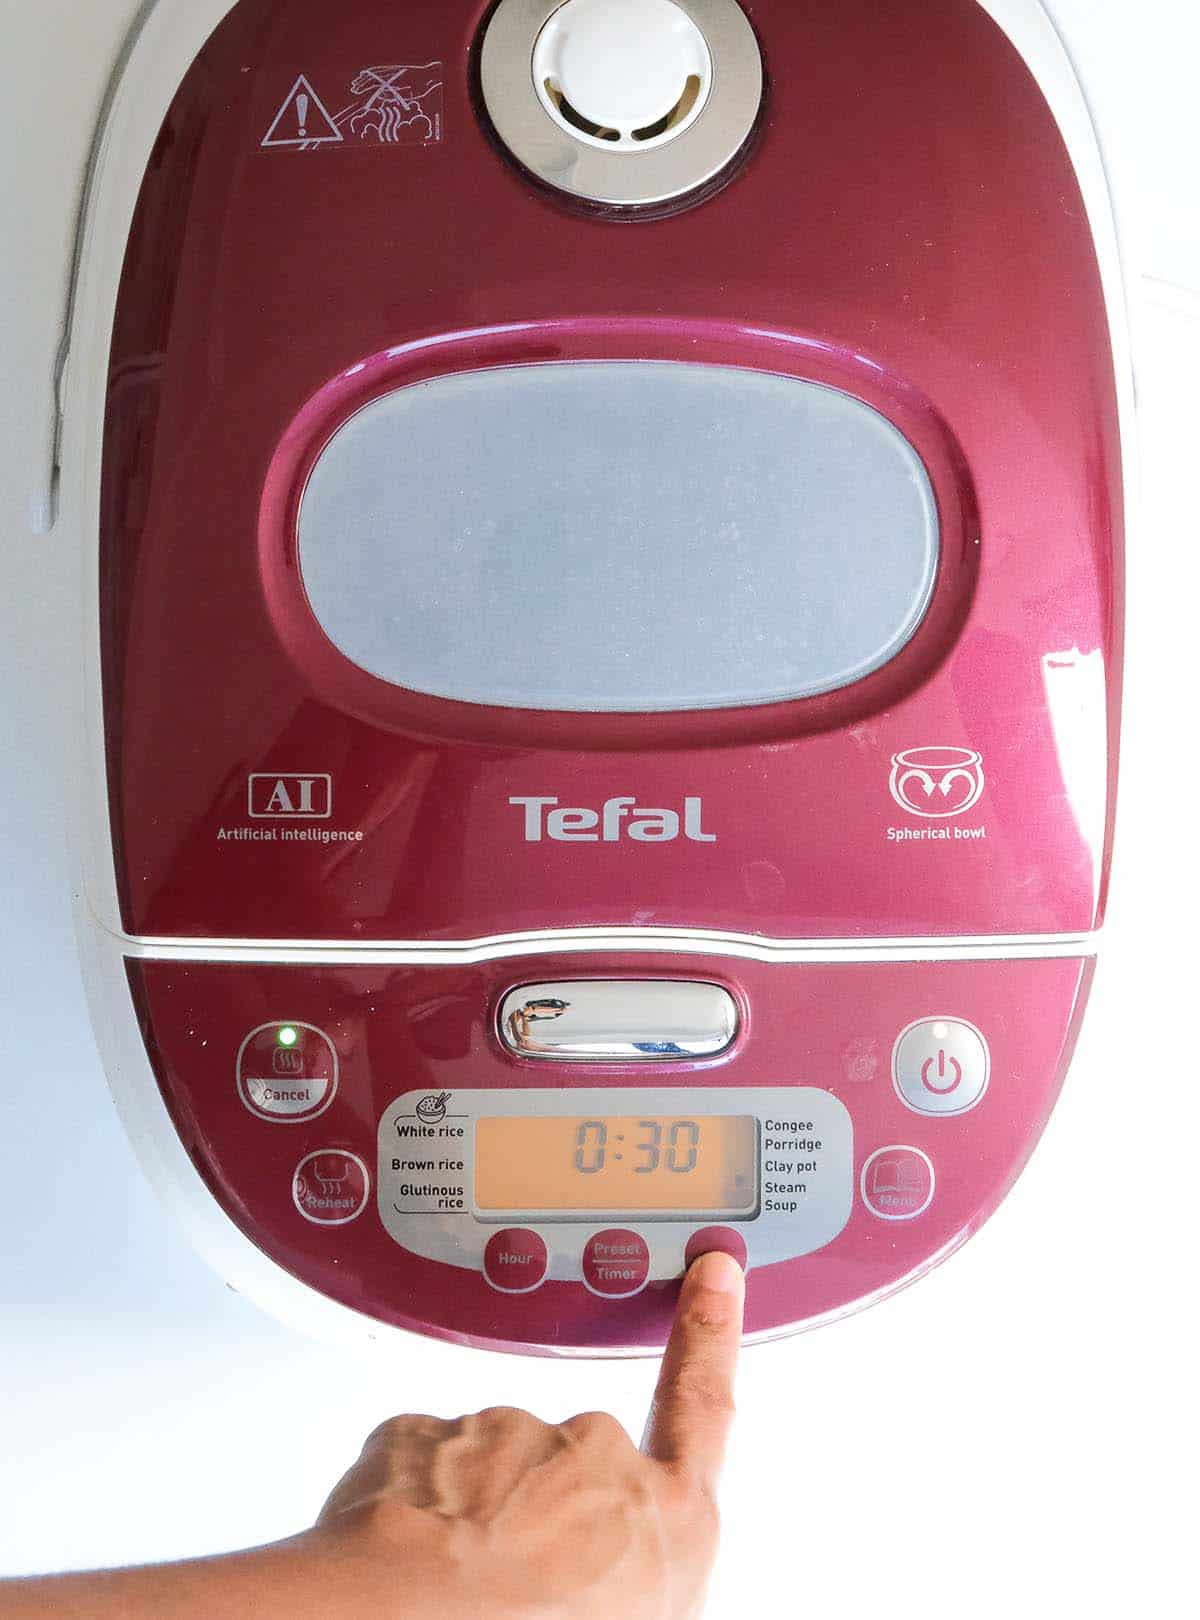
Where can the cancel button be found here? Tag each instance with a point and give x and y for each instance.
(285, 1100)
(287, 1071)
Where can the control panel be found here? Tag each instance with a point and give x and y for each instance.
(528, 1153)
(568, 1167)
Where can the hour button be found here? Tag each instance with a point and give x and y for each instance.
(515, 1261)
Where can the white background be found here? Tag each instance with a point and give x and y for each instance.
(1015, 1434)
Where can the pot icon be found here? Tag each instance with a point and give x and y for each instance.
(937, 783)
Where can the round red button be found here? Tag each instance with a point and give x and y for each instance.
(287, 1072)
(719, 1240)
(330, 1188)
(515, 1261)
(897, 1183)
(616, 1264)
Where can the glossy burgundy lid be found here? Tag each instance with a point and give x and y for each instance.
(907, 227)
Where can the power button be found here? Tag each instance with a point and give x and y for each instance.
(941, 1066)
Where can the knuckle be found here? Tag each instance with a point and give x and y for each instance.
(641, 1499)
(599, 1428)
(395, 1431)
(507, 1419)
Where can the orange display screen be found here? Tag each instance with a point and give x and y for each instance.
(655, 1165)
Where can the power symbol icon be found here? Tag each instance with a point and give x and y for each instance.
(941, 1067)
(949, 1074)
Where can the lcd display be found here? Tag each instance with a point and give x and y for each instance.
(658, 1166)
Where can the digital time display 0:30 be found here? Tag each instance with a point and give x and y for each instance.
(659, 1167)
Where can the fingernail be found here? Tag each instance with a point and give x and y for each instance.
(718, 1271)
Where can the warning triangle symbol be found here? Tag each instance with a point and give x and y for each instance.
(303, 120)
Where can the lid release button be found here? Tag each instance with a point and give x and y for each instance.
(619, 1021)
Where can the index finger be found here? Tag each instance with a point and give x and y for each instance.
(692, 1412)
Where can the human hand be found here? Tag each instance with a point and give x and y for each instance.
(494, 1517)
(503, 1516)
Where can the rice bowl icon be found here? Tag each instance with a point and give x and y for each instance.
(432, 1110)
(937, 783)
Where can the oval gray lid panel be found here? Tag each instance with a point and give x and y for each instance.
(606, 537)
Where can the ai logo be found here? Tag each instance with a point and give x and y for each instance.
(301, 797)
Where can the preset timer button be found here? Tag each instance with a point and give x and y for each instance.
(287, 1071)
(616, 1264)
(331, 1187)
(897, 1183)
(940, 1066)
(515, 1261)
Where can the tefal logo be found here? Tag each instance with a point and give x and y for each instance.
(617, 819)
(299, 797)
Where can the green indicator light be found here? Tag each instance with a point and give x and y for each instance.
(288, 1035)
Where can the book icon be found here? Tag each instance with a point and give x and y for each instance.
(899, 1175)
(897, 1183)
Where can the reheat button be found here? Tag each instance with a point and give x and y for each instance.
(331, 1187)
(616, 1264)
(515, 1261)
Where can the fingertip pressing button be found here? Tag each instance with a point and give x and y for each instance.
(716, 1240)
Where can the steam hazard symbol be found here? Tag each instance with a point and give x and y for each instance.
(390, 106)
(303, 120)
